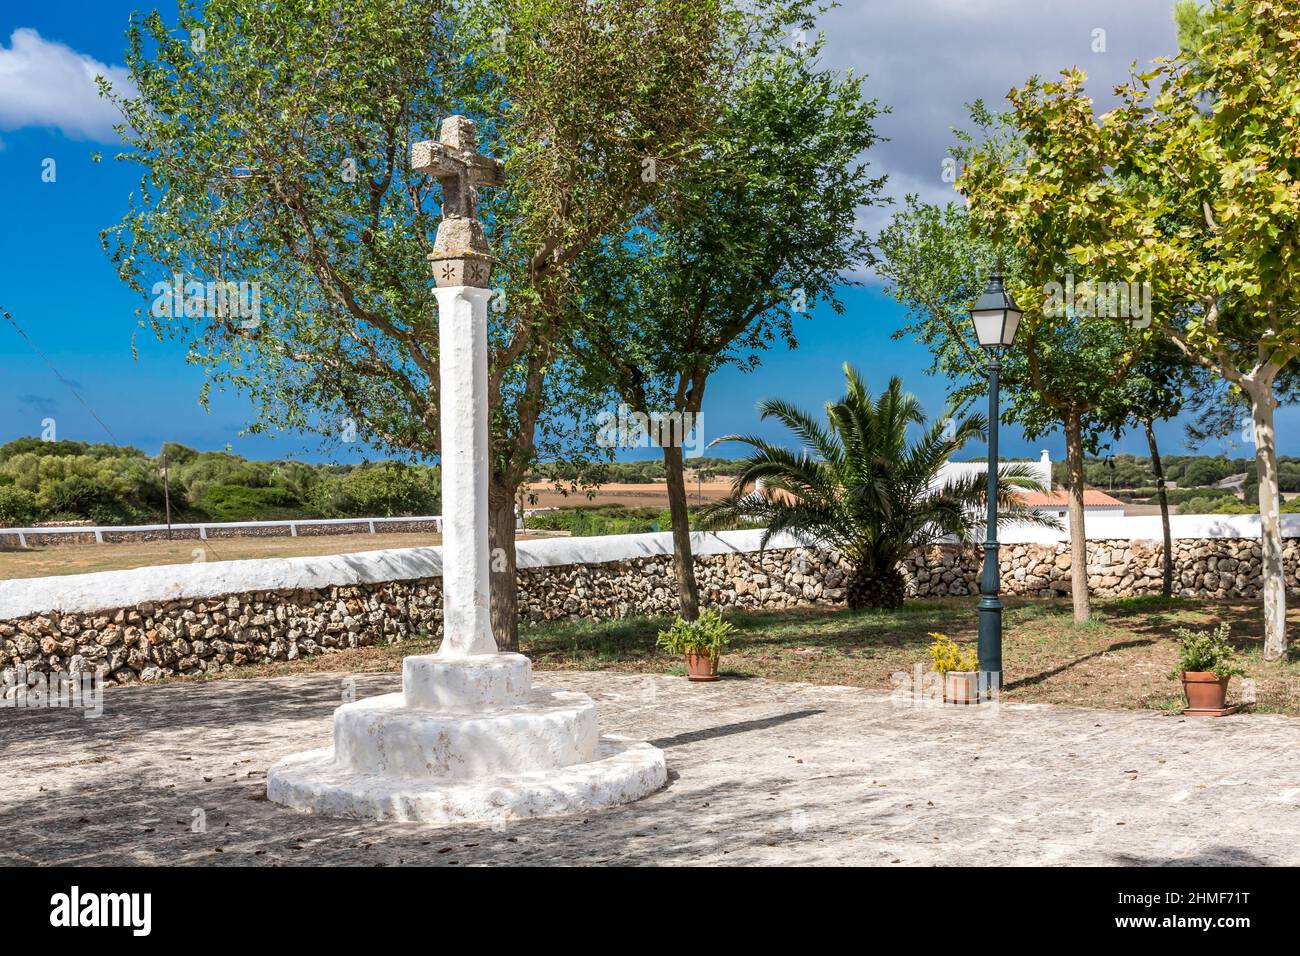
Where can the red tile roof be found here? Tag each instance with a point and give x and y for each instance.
(1091, 498)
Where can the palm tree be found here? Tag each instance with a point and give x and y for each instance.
(860, 487)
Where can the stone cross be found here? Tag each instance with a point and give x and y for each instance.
(461, 268)
(460, 169)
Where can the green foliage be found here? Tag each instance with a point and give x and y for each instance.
(382, 490)
(946, 655)
(73, 480)
(17, 506)
(62, 448)
(1189, 20)
(605, 519)
(1180, 495)
(708, 634)
(279, 153)
(1217, 505)
(77, 496)
(756, 225)
(1192, 473)
(242, 503)
(1189, 185)
(859, 485)
(109, 485)
(1205, 651)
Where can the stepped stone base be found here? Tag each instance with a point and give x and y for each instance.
(623, 771)
(469, 740)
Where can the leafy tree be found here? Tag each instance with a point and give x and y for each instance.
(1061, 370)
(860, 486)
(757, 226)
(276, 152)
(1193, 185)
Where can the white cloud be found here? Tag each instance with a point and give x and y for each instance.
(49, 84)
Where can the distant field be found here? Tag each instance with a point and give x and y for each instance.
(83, 558)
(656, 496)
(632, 495)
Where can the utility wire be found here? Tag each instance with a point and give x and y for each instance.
(32, 345)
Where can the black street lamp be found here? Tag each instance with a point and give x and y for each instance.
(995, 317)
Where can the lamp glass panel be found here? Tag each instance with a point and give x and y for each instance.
(1013, 323)
(988, 327)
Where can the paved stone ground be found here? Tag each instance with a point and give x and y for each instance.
(761, 773)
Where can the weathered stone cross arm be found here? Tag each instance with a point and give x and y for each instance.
(442, 161)
(453, 159)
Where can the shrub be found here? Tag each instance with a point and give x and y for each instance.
(1216, 506)
(602, 519)
(242, 503)
(389, 489)
(383, 490)
(81, 498)
(17, 506)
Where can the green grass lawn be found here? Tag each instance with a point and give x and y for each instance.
(1121, 658)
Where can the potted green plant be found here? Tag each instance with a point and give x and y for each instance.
(1205, 665)
(702, 641)
(958, 669)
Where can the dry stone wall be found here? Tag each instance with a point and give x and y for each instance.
(200, 635)
(1218, 568)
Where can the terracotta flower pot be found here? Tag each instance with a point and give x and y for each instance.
(1206, 692)
(961, 687)
(701, 666)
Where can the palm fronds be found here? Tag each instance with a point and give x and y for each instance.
(858, 485)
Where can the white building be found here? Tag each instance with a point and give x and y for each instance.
(1054, 502)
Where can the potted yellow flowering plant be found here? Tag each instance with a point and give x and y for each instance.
(958, 669)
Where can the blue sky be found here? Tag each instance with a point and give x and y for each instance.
(59, 286)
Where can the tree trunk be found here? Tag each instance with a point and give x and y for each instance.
(1262, 404)
(1078, 535)
(1158, 467)
(688, 594)
(885, 589)
(504, 585)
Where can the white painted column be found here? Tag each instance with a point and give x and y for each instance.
(463, 373)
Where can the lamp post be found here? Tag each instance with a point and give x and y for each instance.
(995, 317)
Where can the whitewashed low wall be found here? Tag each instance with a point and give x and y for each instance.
(194, 618)
(74, 593)
(175, 582)
(1148, 528)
